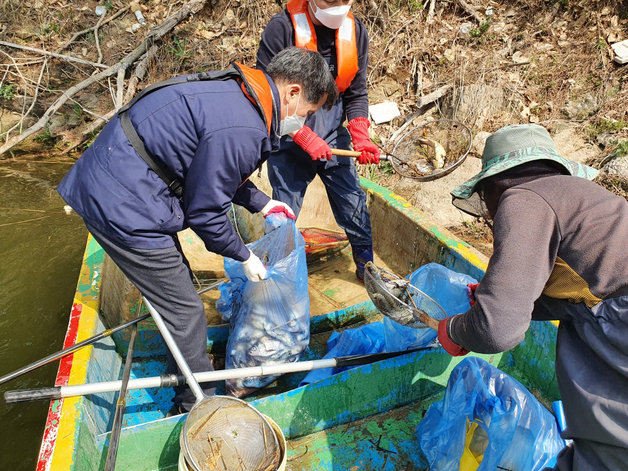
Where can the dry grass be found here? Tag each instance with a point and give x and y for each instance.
(409, 58)
(532, 61)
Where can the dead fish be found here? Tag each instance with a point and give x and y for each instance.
(438, 160)
(390, 295)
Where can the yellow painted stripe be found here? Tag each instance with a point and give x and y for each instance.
(63, 455)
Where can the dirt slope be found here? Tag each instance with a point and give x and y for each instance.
(547, 62)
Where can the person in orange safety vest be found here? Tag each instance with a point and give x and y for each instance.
(329, 27)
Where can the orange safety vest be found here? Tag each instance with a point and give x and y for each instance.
(255, 86)
(346, 44)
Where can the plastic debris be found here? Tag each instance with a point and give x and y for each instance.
(509, 428)
(140, 17)
(100, 10)
(621, 51)
(384, 112)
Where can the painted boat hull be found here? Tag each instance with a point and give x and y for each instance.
(364, 418)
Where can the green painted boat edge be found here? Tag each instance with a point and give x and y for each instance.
(163, 434)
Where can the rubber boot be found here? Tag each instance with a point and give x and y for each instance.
(361, 255)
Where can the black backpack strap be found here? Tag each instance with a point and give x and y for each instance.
(174, 184)
(226, 74)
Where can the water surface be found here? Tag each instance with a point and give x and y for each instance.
(40, 254)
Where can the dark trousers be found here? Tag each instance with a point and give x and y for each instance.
(163, 276)
(291, 170)
(592, 374)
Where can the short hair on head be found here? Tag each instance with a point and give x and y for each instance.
(307, 68)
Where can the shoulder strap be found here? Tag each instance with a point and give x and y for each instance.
(174, 184)
(226, 74)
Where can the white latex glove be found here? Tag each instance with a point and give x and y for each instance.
(274, 206)
(254, 269)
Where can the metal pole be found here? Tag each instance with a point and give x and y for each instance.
(176, 353)
(58, 392)
(114, 438)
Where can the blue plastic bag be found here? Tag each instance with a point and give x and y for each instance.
(269, 320)
(360, 340)
(515, 432)
(447, 287)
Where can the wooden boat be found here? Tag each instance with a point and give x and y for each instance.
(364, 418)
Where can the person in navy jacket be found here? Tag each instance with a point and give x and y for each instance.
(209, 135)
(329, 27)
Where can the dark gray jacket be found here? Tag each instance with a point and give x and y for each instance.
(561, 236)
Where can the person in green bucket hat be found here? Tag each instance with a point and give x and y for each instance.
(560, 253)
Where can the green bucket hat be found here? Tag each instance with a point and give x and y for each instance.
(515, 145)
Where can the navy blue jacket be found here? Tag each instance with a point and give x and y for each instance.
(209, 135)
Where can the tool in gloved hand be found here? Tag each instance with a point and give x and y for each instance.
(359, 130)
(399, 300)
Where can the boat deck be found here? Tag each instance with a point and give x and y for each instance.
(362, 418)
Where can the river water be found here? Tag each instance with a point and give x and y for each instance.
(40, 254)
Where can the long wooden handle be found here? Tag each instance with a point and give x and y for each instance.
(427, 320)
(354, 153)
(346, 153)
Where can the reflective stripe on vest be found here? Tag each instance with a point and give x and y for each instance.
(346, 43)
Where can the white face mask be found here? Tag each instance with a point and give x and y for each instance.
(331, 17)
(292, 123)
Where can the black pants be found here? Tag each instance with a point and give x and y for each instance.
(592, 374)
(163, 276)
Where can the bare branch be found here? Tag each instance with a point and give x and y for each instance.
(52, 54)
(30, 108)
(430, 14)
(154, 35)
(140, 72)
(435, 95)
(470, 10)
(80, 33)
(99, 60)
(120, 89)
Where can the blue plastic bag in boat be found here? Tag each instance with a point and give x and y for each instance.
(513, 431)
(447, 287)
(368, 338)
(270, 319)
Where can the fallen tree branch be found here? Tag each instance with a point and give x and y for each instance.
(140, 72)
(470, 10)
(435, 95)
(424, 103)
(52, 54)
(100, 20)
(30, 108)
(430, 13)
(155, 34)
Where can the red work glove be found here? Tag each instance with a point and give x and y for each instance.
(471, 287)
(309, 141)
(443, 337)
(274, 206)
(359, 130)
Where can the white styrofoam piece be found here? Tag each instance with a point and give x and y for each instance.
(621, 51)
(384, 112)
